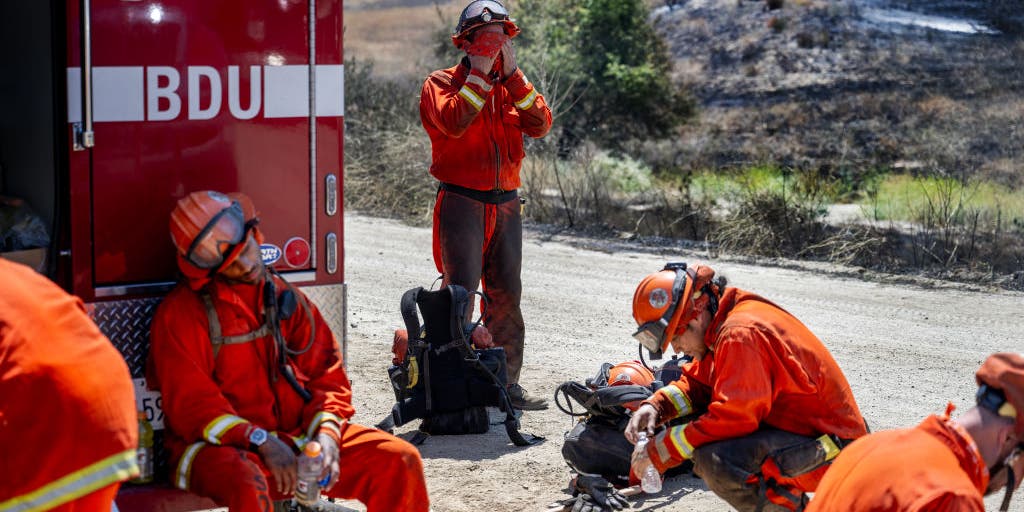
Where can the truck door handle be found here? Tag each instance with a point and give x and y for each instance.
(84, 136)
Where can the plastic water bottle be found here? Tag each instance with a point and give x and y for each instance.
(643, 467)
(144, 452)
(311, 464)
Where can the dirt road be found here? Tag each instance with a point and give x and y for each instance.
(905, 349)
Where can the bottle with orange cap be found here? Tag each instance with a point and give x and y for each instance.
(310, 465)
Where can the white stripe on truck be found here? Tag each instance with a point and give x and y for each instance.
(164, 93)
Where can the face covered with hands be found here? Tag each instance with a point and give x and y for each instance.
(490, 50)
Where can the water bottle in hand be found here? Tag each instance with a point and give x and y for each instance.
(310, 465)
(643, 467)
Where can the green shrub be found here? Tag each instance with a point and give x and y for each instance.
(622, 174)
(607, 66)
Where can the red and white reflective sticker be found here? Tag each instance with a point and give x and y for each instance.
(296, 252)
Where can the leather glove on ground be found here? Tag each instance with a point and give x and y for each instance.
(597, 495)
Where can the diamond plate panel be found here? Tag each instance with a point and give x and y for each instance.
(332, 301)
(126, 323)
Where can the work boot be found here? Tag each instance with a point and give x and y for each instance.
(523, 401)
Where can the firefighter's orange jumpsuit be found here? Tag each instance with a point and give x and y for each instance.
(933, 467)
(211, 403)
(68, 424)
(476, 124)
(766, 383)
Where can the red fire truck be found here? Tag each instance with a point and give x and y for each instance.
(112, 110)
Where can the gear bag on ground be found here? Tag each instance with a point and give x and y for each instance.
(596, 445)
(439, 376)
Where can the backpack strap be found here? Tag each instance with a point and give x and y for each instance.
(457, 319)
(409, 314)
(217, 338)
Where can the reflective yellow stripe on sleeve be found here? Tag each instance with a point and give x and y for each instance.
(221, 424)
(116, 468)
(679, 441)
(528, 101)
(679, 400)
(472, 97)
(324, 418)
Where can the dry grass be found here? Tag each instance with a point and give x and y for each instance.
(968, 123)
(400, 40)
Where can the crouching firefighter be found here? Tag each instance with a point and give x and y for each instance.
(250, 372)
(448, 372)
(595, 449)
(772, 406)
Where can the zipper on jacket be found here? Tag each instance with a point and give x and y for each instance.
(497, 166)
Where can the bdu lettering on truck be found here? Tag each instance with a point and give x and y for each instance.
(162, 93)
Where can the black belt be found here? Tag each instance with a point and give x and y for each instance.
(497, 196)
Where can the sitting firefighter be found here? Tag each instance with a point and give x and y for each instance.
(250, 372)
(772, 407)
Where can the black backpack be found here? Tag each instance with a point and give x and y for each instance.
(442, 378)
(596, 444)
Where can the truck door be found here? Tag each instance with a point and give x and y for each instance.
(166, 97)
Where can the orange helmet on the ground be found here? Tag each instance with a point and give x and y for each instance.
(665, 301)
(208, 228)
(630, 372)
(479, 13)
(1001, 387)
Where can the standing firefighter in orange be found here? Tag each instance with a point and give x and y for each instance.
(771, 406)
(68, 424)
(476, 114)
(250, 372)
(942, 464)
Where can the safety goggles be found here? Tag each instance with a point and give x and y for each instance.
(220, 238)
(482, 12)
(652, 334)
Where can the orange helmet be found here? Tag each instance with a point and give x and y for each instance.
(208, 228)
(630, 372)
(479, 13)
(667, 300)
(1001, 387)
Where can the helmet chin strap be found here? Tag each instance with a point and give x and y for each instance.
(1011, 479)
(1010, 484)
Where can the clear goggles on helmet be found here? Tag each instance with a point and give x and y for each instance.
(652, 334)
(482, 12)
(219, 238)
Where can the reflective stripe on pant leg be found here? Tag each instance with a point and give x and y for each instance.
(502, 283)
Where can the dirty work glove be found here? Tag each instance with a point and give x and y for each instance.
(597, 495)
